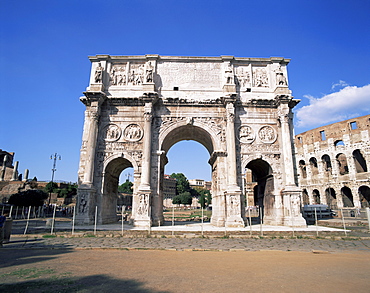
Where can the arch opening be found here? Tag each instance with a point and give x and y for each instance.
(110, 193)
(342, 163)
(327, 164)
(305, 198)
(316, 196)
(364, 194)
(302, 166)
(263, 188)
(188, 132)
(347, 197)
(331, 198)
(360, 162)
(194, 145)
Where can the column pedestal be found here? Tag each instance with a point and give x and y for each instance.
(85, 208)
(142, 203)
(292, 207)
(233, 208)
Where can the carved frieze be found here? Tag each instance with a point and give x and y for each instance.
(83, 201)
(118, 74)
(112, 132)
(260, 77)
(260, 148)
(143, 207)
(98, 76)
(246, 134)
(243, 76)
(133, 132)
(136, 74)
(267, 134)
(280, 78)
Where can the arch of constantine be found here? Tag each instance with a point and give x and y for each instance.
(239, 109)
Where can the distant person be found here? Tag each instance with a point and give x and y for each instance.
(2, 226)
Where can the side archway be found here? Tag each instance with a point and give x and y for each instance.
(264, 195)
(113, 167)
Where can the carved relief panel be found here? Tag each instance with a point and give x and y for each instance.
(243, 76)
(260, 77)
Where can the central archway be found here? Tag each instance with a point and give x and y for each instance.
(206, 137)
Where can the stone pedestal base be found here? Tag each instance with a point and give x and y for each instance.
(96, 87)
(217, 222)
(86, 203)
(233, 206)
(292, 207)
(142, 223)
(234, 222)
(148, 87)
(229, 88)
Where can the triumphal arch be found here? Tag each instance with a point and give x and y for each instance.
(239, 109)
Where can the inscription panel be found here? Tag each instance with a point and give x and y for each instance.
(196, 75)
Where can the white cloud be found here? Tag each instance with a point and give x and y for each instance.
(340, 84)
(349, 102)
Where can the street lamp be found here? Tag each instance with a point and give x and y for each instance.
(54, 157)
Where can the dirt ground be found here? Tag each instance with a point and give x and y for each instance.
(181, 271)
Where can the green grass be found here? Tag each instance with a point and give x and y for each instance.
(30, 273)
(48, 236)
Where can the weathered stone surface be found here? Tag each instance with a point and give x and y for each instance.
(333, 164)
(138, 107)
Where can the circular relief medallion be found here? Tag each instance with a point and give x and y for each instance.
(112, 132)
(267, 134)
(246, 134)
(133, 132)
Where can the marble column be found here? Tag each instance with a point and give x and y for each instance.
(26, 172)
(92, 115)
(286, 140)
(142, 200)
(292, 195)
(147, 149)
(233, 193)
(87, 198)
(15, 171)
(3, 169)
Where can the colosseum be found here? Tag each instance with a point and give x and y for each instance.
(332, 163)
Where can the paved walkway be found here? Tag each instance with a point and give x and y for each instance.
(193, 243)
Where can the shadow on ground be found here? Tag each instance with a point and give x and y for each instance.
(53, 282)
(19, 257)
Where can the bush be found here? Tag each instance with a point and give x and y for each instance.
(32, 197)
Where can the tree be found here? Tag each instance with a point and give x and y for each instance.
(31, 197)
(51, 187)
(68, 191)
(176, 199)
(186, 197)
(182, 183)
(126, 187)
(202, 200)
(204, 197)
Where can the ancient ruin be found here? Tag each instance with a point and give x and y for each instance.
(333, 164)
(239, 109)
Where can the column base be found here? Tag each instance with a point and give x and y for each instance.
(234, 222)
(142, 223)
(218, 222)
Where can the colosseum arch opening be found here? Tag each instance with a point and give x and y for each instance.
(364, 193)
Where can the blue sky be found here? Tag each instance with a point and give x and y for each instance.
(44, 46)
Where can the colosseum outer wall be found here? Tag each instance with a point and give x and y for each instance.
(333, 164)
